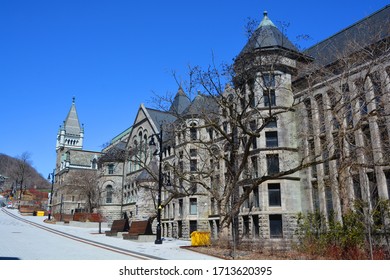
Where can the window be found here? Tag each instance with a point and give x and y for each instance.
(315, 197)
(255, 226)
(271, 122)
(274, 196)
(110, 169)
(321, 113)
(256, 198)
(276, 226)
(193, 206)
(181, 208)
(109, 194)
(254, 142)
(246, 203)
(193, 165)
(211, 133)
(193, 226)
(252, 100)
(269, 98)
(194, 188)
(273, 164)
(269, 80)
(245, 222)
(193, 152)
(255, 171)
(271, 139)
(329, 200)
(225, 127)
(193, 132)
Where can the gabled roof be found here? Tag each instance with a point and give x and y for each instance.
(71, 123)
(370, 30)
(268, 36)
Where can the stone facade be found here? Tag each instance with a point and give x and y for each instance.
(294, 118)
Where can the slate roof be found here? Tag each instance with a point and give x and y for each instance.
(363, 33)
(149, 174)
(180, 102)
(160, 117)
(202, 104)
(268, 36)
(71, 123)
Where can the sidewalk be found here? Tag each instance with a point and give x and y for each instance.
(170, 249)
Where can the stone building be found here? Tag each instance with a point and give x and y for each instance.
(76, 168)
(294, 132)
(343, 97)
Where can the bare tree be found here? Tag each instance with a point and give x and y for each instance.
(84, 183)
(21, 172)
(343, 99)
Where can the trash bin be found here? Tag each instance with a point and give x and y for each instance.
(200, 238)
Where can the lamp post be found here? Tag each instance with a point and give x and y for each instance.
(159, 207)
(51, 176)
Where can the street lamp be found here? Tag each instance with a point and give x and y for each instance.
(51, 176)
(160, 179)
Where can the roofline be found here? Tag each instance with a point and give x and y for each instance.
(347, 28)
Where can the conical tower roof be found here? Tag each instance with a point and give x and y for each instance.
(71, 123)
(180, 102)
(268, 36)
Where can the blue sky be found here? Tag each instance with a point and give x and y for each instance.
(114, 55)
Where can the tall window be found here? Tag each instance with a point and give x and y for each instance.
(329, 200)
(271, 139)
(255, 226)
(181, 208)
(193, 165)
(276, 226)
(273, 164)
(256, 198)
(193, 206)
(269, 80)
(193, 132)
(253, 127)
(245, 223)
(110, 169)
(274, 197)
(321, 113)
(316, 197)
(109, 194)
(269, 98)
(255, 166)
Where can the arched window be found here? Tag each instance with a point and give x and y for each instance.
(109, 194)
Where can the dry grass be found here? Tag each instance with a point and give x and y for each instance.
(250, 253)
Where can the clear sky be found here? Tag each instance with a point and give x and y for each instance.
(113, 55)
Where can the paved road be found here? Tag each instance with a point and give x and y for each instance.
(28, 238)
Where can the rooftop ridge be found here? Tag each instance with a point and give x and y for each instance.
(348, 27)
